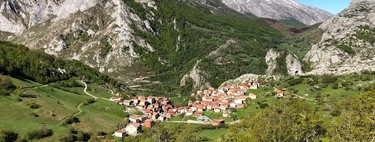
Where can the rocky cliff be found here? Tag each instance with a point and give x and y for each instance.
(347, 46)
(99, 33)
(280, 10)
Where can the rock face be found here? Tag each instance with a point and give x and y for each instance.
(279, 10)
(292, 64)
(99, 33)
(347, 46)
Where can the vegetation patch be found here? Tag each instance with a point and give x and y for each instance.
(366, 33)
(346, 49)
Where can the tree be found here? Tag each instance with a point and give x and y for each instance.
(8, 136)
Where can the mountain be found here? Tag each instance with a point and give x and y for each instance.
(280, 10)
(156, 47)
(348, 44)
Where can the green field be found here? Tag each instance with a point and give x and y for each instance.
(56, 106)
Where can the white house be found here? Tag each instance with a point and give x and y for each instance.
(133, 129)
(238, 101)
(120, 133)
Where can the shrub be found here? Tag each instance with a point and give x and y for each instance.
(8, 136)
(25, 95)
(34, 106)
(41, 133)
(346, 49)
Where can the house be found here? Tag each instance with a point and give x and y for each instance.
(120, 133)
(217, 110)
(143, 103)
(233, 105)
(197, 114)
(133, 128)
(238, 101)
(279, 93)
(209, 107)
(240, 105)
(252, 96)
(134, 119)
(155, 116)
(225, 114)
(143, 118)
(189, 113)
(162, 118)
(148, 123)
(115, 99)
(217, 122)
(193, 108)
(254, 85)
(151, 99)
(200, 108)
(148, 111)
(224, 106)
(127, 102)
(135, 101)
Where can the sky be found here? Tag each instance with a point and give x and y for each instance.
(332, 6)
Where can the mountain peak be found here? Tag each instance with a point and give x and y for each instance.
(280, 10)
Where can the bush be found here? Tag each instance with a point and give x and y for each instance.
(328, 79)
(6, 86)
(8, 136)
(24, 95)
(293, 82)
(34, 106)
(41, 133)
(346, 49)
(73, 120)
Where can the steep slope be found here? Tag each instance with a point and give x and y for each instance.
(157, 47)
(99, 33)
(347, 45)
(280, 10)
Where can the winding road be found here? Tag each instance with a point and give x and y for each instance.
(95, 97)
(85, 90)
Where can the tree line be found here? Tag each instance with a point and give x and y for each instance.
(20, 62)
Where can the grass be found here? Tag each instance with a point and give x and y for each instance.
(179, 101)
(216, 115)
(213, 135)
(100, 116)
(99, 91)
(57, 105)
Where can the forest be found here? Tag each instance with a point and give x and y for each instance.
(20, 62)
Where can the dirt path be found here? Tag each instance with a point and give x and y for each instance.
(80, 111)
(85, 90)
(87, 93)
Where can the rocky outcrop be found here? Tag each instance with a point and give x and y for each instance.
(347, 46)
(198, 76)
(280, 9)
(271, 60)
(98, 33)
(246, 78)
(293, 65)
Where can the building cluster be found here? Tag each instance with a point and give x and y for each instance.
(221, 99)
(161, 108)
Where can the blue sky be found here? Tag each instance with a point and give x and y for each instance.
(333, 6)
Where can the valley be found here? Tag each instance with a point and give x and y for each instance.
(186, 71)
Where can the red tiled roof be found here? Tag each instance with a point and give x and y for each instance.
(121, 131)
(136, 125)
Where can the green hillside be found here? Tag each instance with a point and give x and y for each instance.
(42, 99)
(201, 31)
(20, 62)
(33, 106)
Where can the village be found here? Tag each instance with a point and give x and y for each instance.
(220, 100)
